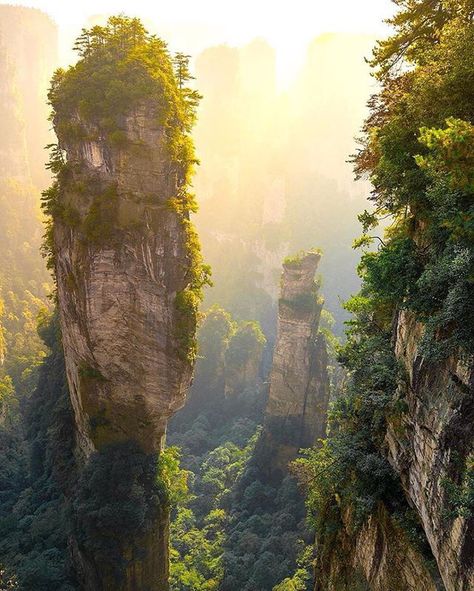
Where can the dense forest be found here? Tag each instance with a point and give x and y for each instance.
(287, 407)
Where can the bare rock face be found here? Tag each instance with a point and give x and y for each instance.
(430, 447)
(379, 557)
(119, 268)
(295, 416)
(122, 259)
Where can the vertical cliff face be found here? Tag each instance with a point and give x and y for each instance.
(432, 446)
(295, 416)
(119, 269)
(377, 557)
(128, 275)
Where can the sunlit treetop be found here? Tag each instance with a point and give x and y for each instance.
(122, 68)
(418, 26)
(120, 65)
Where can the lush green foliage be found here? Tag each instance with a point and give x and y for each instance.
(24, 286)
(33, 475)
(120, 66)
(299, 581)
(118, 498)
(419, 25)
(235, 531)
(33, 557)
(216, 444)
(265, 534)
(417, 150)
(198, 529)
(349, 463)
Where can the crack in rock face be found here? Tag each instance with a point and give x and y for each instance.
(117, 292)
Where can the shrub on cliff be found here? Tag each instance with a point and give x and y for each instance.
(417, 149)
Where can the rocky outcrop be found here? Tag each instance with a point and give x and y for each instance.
(119, 268)
(295, 415)
(123, 262)
(430, 446)
(377, 557)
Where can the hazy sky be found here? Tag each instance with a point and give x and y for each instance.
(191, 25)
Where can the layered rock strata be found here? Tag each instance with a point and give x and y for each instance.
(377, 557)
(295, 415)
(433, 445)
(122, 262)
(119, 269)
(430, 445)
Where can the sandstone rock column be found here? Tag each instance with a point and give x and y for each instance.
(295, 416)
(129, 273)
(119, 269)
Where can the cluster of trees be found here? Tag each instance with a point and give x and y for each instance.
(235, 531)
(266, 534)
(36, 468)
(417, 150)
(216, 434)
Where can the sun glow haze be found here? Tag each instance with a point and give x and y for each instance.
(193, 26)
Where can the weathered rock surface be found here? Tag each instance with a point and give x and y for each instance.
(428, 446)
(122, 257)
(117, 289)
(378, 557)
(295, 416)
(431, 445)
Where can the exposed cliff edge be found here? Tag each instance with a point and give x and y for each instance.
(128, 274)
(377, 557)
(429, 446)
(295, 415)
